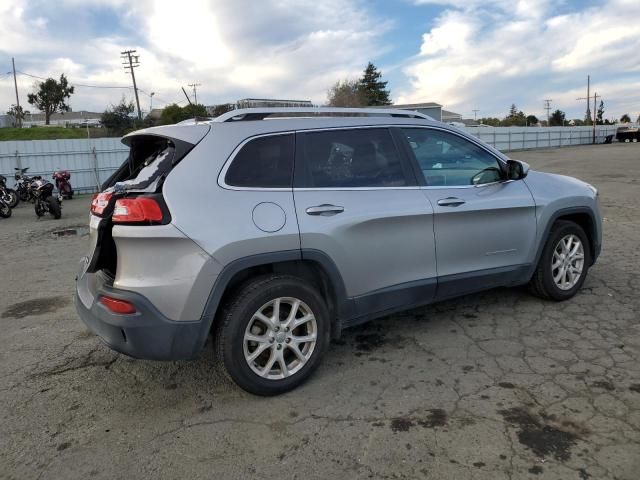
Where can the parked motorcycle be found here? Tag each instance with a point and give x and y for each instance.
(44, 200)
(63, 185)
(8, 195)
(23, 184)
(5, 209)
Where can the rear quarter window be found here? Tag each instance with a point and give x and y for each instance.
(263, 162)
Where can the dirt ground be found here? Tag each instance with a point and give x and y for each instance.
(498, 385)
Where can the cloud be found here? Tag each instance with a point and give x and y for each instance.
(491, 53)
(285, 48)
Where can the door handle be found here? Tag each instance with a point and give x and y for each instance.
(450, 202)
(325, 210)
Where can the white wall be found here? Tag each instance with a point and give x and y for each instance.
(89, 161)
(44, 156)
(522, 138)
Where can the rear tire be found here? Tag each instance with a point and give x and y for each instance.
(55, 208)
(289, 323)
(561, 273)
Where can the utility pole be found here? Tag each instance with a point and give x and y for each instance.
(131, 62)
(475, 114)
(15, 84)
(547, 107)
(151, 101)
(595, 98)
(185, 94)
(588, 113)
(195, 93)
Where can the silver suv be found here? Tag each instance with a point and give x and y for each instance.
(274, 229)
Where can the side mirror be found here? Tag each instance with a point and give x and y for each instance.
(517, 170)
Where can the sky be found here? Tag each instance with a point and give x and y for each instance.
(464, 54)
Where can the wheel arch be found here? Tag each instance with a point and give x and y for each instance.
(312, 265)
(584, 217)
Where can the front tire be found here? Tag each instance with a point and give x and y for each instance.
(39, 208)
(5, 210)
(272, 334)
(564, 263)
(54, 207)
(11, 197)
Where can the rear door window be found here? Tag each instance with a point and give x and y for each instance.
(365, 157)
(264, 162)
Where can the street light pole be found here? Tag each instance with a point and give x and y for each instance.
(15, 83)
(151, 101)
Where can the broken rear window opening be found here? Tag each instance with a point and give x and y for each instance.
(150, 159)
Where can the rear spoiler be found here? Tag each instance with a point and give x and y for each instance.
(187, 133)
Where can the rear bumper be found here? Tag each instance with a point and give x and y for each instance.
(146, 334)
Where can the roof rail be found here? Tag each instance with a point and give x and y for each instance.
(246, 114)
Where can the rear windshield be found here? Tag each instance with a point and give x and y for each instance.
(150, 159)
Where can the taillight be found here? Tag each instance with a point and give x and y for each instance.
(121, 307)
(100, 202)
(137, 210)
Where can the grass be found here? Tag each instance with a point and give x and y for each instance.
(49, 133)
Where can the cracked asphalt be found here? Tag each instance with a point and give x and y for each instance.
(498, 385)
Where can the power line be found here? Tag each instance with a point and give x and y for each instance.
(78, 84)
(85, 85)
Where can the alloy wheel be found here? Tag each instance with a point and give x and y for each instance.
(280, 338)
(567, 262)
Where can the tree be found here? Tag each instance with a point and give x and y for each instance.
(118, 119)
(373, 88)
(346, 94)
(532, 120)
(515, 117)
(491, 121)
(50, 97)
(600, 113)
(557, 119)
(625, 118)
(18, 115)
(174, 113)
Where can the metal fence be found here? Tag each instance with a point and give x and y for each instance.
(523, 138)
(92, 161)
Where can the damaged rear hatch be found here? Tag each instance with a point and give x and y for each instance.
(137, 186)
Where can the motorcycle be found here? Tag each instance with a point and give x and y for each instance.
(8, 195)
(44, 201)
(63, 185)
(5, 209)
(23, 184)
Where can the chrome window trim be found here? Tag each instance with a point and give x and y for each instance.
(234, 153)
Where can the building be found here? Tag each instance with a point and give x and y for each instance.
(448, 116)
(270, 102)
(66, 119)
(434, 110)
